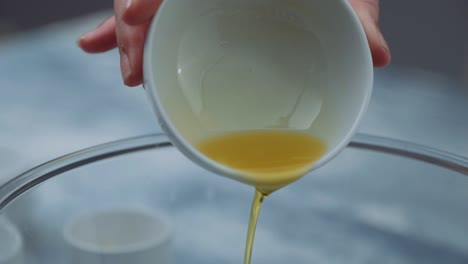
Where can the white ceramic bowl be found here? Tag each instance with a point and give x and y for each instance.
(213, 66)
(127, 235)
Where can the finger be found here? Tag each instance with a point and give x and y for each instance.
(101, 39)
(131, 40)
(140, 11)
(368, 13)
(131, 47)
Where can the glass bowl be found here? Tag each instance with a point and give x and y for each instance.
(379, 201)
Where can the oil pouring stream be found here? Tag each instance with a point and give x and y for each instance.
(271, 159)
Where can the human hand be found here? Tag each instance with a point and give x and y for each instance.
(128, 27)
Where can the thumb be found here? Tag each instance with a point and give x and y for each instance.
(368, 13)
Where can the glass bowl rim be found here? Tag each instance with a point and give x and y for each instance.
(22, 183)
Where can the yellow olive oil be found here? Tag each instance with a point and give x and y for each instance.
(266, 157)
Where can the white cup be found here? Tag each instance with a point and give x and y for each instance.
(11, 243)
(213, 66)
(119, 236)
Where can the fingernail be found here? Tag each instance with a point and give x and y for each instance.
(386, 50)
(84, 36)
(129, 3)
(125, 64)
(389, 54)
(81, 39)
(385, 46)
